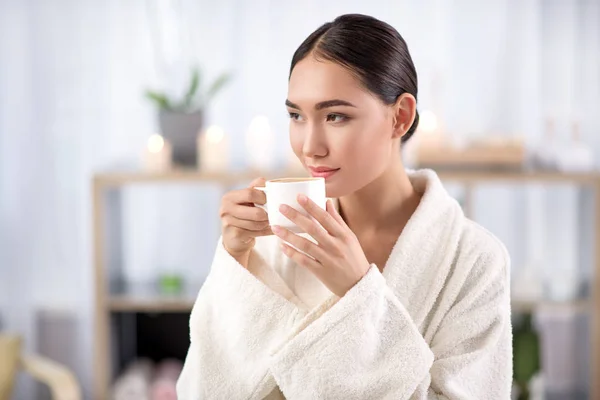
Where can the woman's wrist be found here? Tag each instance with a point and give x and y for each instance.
(243, 258)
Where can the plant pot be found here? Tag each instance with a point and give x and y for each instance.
(181, 131)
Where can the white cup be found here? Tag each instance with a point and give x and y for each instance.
(286, 191)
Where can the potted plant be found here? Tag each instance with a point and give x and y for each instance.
(180, 119)
(526, 355)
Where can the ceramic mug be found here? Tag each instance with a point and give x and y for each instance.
(286, 191)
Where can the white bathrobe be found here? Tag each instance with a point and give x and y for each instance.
(434, 325)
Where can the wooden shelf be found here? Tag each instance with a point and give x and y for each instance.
(555, 177)
(146, 297)
(158, 304)
(189, 175)
(185, 302)
(580, 305)
(234, 177)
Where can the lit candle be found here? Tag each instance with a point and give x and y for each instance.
(158, 153)
(428, 122)
(429, 130)
(259, 144)
(213, 150)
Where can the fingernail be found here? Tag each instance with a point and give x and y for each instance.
(276, 229)
(283, 208)
(302, 199)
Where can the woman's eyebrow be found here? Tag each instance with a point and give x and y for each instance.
(292, 105)
(333, 103)
(323, 104)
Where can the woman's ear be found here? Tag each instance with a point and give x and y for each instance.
(404, 111)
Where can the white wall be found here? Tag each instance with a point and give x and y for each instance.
(72, 74)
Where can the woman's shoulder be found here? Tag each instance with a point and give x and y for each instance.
(479, 258)
(476, 237)
(442, 218)
(482, 251)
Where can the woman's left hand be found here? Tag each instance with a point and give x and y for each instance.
(338, 259)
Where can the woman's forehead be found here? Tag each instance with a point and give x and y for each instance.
(313, 81)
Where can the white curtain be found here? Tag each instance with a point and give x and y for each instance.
(72, 74)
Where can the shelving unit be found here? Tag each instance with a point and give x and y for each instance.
(157, 304)
(106, 188)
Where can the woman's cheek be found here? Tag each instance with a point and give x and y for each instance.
(351, 142)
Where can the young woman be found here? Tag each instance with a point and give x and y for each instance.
(402, 297)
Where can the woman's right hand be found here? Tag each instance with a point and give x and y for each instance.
(242, 222)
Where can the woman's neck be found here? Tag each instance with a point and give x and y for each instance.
(385, 204)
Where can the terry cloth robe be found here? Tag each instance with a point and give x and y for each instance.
(434, 325)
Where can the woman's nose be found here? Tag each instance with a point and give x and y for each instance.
(314, 143)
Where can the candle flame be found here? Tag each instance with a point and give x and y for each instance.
(428, 122)
(155, 143)
(215, 134)
(259, 128)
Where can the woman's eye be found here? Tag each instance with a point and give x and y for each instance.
(295, 116)
(336, 118)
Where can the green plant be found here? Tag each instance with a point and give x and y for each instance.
(193, 100)
(526, 355)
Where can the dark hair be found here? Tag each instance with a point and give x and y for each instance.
(371, 49)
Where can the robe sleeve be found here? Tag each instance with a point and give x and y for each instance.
(235, 320)
(367, 346)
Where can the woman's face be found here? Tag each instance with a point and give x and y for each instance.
(338, 129)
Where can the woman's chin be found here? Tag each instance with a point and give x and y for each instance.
(332, 189)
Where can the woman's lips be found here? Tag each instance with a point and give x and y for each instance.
(322, 172)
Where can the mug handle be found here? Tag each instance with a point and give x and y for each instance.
(262, 189)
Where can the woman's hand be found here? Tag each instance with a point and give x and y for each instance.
(242, 222)
(338, 259)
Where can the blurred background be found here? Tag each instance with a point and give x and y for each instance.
(122, 123)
